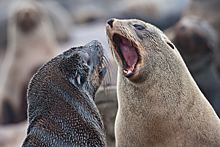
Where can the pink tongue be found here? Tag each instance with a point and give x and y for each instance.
(128, 52)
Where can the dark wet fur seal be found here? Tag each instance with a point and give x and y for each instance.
(61, 110)
(159, 103)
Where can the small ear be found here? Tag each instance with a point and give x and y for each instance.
(170, 44)
(75, 80)
(78, 80)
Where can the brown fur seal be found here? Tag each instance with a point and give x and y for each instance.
(159, 102)
(197, 43)
(61, 110)
(31, 43)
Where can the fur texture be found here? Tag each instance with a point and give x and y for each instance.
(61, 110)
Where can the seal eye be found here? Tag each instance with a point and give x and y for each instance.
(139, 27)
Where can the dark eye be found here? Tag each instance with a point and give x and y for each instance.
(139, 27)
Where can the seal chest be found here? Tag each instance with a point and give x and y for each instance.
(61, 110)
(159, 104)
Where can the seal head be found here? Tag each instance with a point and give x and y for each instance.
(125, 38)
(84, 67)
(61, 109)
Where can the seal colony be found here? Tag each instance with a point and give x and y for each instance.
(159, 103)
(61, 110)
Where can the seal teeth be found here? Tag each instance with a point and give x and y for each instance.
(125, 72)
(128, 70)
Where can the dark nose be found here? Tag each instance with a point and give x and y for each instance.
(110, 22)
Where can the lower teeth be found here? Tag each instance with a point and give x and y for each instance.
(125, 72)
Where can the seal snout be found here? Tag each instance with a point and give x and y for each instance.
(95, 46)
(110, 22)
(95, 57)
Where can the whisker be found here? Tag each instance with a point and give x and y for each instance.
(106, 80)
(109, 67)
(107, 61)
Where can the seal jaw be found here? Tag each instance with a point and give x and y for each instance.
(128, 53)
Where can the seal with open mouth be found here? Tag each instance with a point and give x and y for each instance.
(159, 103)
(61, 110)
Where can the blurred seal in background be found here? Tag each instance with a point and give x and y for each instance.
(31, 42)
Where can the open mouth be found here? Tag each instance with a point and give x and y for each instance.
(128, 52)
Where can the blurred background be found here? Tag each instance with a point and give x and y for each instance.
(32, 32)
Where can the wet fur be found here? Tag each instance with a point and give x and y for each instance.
(160, 105)
(61, 110)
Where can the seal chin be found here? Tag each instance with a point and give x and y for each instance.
(128, 53)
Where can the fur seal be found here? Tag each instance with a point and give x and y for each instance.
(159, 103)
(31, 42)
(61, 108)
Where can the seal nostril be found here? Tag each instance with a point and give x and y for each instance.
(110, 22)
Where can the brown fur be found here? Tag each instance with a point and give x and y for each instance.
(61, 110)
(31, 44)
(160, 104)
